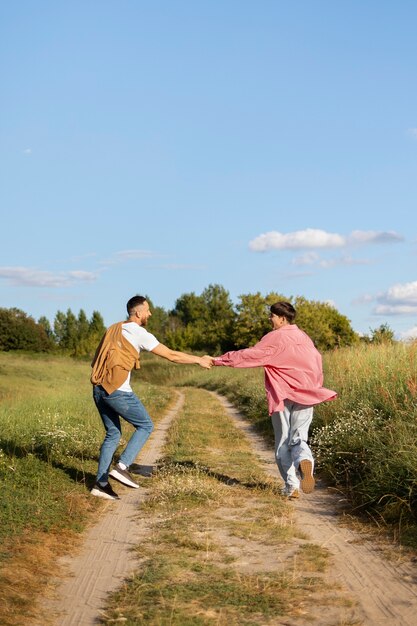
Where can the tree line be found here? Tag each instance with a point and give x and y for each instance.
(74, 335)
(208, 322)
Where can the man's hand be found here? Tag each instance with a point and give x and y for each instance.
(206, 361)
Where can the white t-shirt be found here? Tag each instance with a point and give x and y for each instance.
(141, 339)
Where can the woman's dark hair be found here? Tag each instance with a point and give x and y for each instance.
(133, 303)
(284, 309)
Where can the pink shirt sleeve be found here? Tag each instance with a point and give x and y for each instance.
(257, 356)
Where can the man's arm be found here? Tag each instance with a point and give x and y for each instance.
(182, 357)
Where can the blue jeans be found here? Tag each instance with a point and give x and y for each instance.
(111, 407)
(291, 433)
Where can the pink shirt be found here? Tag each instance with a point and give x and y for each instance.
(292, 366)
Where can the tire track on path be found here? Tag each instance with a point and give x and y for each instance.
(107, 555)
(386, 592)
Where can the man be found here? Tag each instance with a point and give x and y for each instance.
(116, 355)
(293, 384)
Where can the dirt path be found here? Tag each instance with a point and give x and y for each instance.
(385, 591)
(106, 557)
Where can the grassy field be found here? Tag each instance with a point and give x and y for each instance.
(50, 435)
(364, 442)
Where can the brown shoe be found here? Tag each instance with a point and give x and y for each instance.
(307, 478)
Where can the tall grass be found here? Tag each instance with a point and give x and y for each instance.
(367, 440)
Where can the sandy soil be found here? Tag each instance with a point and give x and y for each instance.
(384, 592)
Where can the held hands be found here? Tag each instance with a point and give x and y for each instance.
(206, 361)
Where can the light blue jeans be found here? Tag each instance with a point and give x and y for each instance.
(111, 407)
(291, 433)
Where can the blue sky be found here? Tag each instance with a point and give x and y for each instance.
(160, 147)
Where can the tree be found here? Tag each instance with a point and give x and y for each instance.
(252, 321)
(186, 323)
(204, 322)
(189, 309)
(59, 327)
(45, 323)
(218, 320)
(81, 343)
(66, 330)
(18, 331)
(324, 324)
(382, 335)
(158, 323)
(71, 331)
(77, 335)
(83, 326)
(97, 327)
(90, 337)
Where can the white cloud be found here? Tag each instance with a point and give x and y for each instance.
(343, 260)
(27, 151)
(395, 309)
(413, 132)
(301, 239)
(32, 277)
(409, 335)
(82, 275)
(405, 293)
(372, 236)
(309, 258)
(364, 299)
(313, 238)
(129, 255)
(312, 258)
(400, 299)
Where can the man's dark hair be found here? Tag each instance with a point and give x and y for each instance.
(133, 303)
(284, 309)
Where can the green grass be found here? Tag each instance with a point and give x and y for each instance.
(50, 435)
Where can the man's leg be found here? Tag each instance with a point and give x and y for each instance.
(281, 425)
(300, 420)
(111, 423)
(130, 408)
(138, 416)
